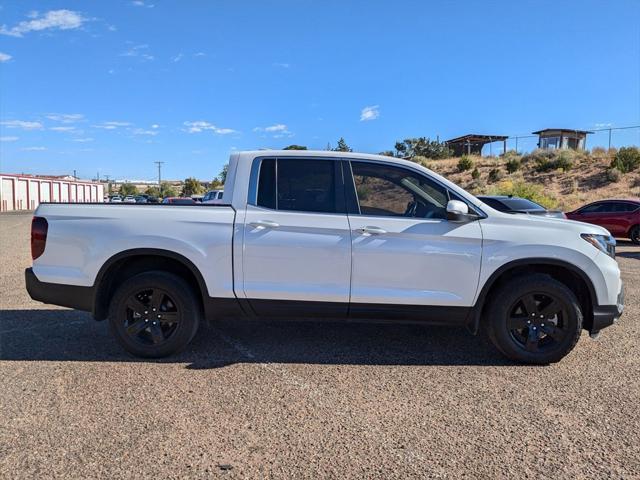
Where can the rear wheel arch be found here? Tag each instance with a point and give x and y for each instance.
(568, 274)
(128, 263)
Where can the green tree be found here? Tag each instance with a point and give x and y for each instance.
(342, 146)
(191, 186)
(422, 147)
(295, 147)
(223, 173)
(167, 190)
(128, 189)
(387, 153)
(215, 184)
(152, 191)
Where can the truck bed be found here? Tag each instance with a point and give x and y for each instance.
(83, 237)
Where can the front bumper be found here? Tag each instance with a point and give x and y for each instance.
(72, 296)
(606, 315)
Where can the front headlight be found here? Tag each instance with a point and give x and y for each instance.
(604, 243)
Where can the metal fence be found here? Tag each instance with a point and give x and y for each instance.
(603, 136)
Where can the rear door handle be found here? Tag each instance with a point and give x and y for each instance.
(264, 224)
(372, 230)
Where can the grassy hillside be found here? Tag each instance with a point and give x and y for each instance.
(564, 179)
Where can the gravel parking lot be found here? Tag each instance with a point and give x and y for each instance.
(307, 400)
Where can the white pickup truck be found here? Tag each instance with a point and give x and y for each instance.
(328, 235)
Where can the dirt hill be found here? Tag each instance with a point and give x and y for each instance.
(586, 178)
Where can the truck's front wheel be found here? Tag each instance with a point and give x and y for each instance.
(154, 314)
(534, 319)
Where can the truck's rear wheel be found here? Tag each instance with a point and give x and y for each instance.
(154, 314)
(534, 319)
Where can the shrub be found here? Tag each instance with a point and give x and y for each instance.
(495, 175)
(564, 160)
(614, 175)
(547, 160)
(626, 159)
(513, 164)
(465, 163)
(475, 174)
(525, 190)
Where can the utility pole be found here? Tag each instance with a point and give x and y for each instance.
(159, 176)
(75, 177)
(609, 138)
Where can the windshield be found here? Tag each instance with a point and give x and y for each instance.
(521, 204)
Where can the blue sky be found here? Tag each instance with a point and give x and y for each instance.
(113, 86)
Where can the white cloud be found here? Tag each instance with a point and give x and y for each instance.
(112, 28)
(112, 125)
(278, 130)
(155, 125)
(199, 54)
(51, 20)
(83, 140)
(603, 125)
(5, 57)
(63, 129)
(8, 139)
(142, 131)
(177, 58)
(139, 51)
(281, 65)
(141, 3)
(200, 126)
(22, 124)
(370, 113)
(33, 149)
(65, 117)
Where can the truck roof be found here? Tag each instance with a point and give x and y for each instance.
(314, 153)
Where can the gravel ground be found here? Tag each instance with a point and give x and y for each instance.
(287, 400)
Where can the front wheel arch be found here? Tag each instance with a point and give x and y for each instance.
(574, 278)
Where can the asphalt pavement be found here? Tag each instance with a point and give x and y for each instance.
(307, 400)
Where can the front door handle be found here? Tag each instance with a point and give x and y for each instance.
(260, 224)
(372, 230)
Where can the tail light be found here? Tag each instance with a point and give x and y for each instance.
(39, 228)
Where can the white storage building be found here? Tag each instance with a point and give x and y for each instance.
(25, 192)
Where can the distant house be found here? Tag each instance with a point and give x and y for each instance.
(562, 138)
(472, 144)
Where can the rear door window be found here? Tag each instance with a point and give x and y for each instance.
(303, 185)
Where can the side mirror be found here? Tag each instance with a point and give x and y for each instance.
(458, 211)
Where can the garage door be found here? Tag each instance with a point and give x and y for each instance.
(45, 191)
(64, 192)
(34, 195)
(7, 195)
(21, 195)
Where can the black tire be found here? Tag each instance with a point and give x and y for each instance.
(634, 234)
(154, 314)
(534, 319)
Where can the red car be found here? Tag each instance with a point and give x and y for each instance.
(620, 217)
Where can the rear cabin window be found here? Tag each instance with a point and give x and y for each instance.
(303, 185)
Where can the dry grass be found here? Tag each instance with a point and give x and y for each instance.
(588, 180)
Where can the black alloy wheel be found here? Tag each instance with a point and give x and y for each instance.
(151, 316)
(154, 314)
(536, 321)
(534, 318)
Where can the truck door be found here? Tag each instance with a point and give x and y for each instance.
(296, 258)
(406, 254)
